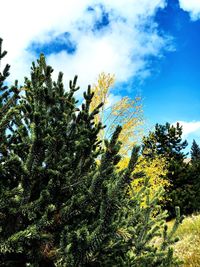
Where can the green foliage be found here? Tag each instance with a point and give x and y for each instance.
(183, 177)
(58, 207)
(195, 152)
(193, 178)
(166, 141)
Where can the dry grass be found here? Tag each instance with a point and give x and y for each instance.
(188, 248)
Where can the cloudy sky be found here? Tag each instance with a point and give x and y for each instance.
(152, 47)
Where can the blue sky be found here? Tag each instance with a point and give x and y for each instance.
(172, 92)
(173, 89)
(152, 47)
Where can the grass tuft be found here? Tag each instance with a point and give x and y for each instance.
(188, 247)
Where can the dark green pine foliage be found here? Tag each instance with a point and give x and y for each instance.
(63, 203)
(194, 177)
(195, 152)
(9, 174)
(8, 99)
(166, 141)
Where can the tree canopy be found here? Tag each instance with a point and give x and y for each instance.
(58, 206)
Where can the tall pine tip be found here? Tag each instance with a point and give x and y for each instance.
(75, 80)
(133, 160)
(89, 90)
(72, 84)
(178, 215)
(42, 59)
(42, 55)
(6, 70)
(2, 54)
(60, 76)
(115, 136)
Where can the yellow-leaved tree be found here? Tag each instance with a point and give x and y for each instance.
(155, 169)
(126, 112)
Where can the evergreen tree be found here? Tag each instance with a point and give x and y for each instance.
(9, 189)
(194, 178)
(195, 152)
(63, 203)
(166, 141)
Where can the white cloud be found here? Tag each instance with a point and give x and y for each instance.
(190, 128)
(191, 6)
(112, 100)
(121, 48)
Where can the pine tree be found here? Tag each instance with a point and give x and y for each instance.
(195, 152)
(166, 141)
(194, 178)
(63, 203)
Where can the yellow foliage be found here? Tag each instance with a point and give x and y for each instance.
(154, 169)
(126, 112)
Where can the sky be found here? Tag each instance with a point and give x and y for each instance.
(151, 46)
